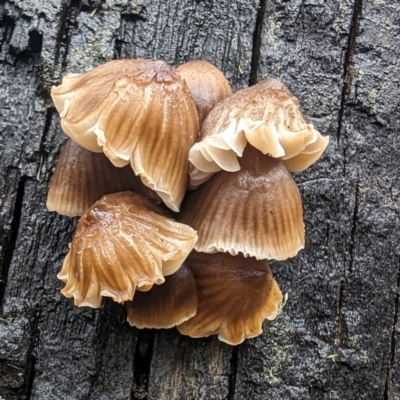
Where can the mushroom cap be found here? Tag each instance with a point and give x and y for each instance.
(308, 156)
(255, 211)
(266, 115)
(166, 305)
(82, 177)
(236, 295)
(138, 112)
(123, 242)
(207, 85)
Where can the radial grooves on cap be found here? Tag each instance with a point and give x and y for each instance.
(89, 90)
(166, 305)
(82, 177)
(136, 111)
(256, 211)
(235, 295)
(122, 242)
(267, 116)
(165, 168)
(125, 111)
(207, 85)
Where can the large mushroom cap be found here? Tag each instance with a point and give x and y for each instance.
(256, 211)
(123, 242)
(166, 305)
(82, 177)
(266, 115)
(236, 295)
(136, 111)
(207, 85)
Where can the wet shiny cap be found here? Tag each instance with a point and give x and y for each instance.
(256, 211)
(138, 112)
(82, 177)
(122, 243)
(267, 116)
(207, 85)
(236, 295)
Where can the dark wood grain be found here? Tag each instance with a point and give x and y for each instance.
(337, 337)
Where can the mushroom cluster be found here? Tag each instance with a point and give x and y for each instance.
(203, 269)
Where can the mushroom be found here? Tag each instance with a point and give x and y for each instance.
(138, 112)
(255, 211)
(207, 85)
(82, 177)
(266, 115)
(123, 242)
(147, 114)
(166, 305)
(236, 295)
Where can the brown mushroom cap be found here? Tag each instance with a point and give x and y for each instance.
(82, 177)
(166, 305)
(136, 111)
(207, 85)
(123, 242)
(256, 211)
(236, 295)
(266, 115)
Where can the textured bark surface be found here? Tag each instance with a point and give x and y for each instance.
(337, 336)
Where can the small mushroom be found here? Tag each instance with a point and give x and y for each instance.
(138, 112)
(166, 305)
(82, 177)
(207, 85)
(236, 295)
(255, 211)
(266, 115)
(123, 242)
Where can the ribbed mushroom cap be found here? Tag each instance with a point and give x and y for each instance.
(236, 295)
(136, 111)
(123, 242)
(256, 211)
(166, 305)
(82, 177)
(266, 115)
(207, 85)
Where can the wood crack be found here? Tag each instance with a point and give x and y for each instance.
(354, 225)
(257, 42)
(9, 238)
(30, 375)
(42, 154)
(101, 338)
(233, 373)
(388, 387)
(127, 22)
(7, 23)
(348, 63)
(68, 18)
(141, 364)
(341, 324)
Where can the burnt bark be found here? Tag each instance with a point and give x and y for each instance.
(337, 337)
